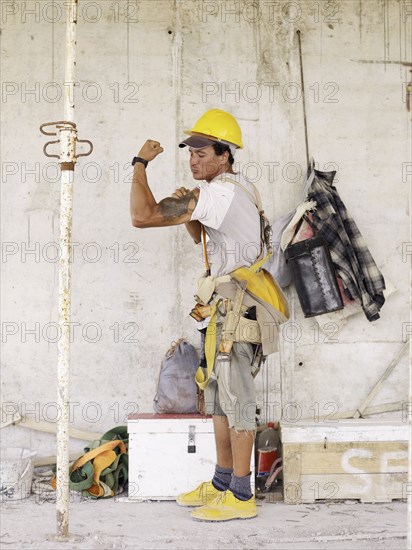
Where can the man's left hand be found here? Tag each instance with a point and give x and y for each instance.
(180, 192)
(150, 150)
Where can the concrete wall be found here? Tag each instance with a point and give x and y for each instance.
(150, 73)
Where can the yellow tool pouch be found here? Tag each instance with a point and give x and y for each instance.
(261, 284)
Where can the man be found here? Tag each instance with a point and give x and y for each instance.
(223, 203)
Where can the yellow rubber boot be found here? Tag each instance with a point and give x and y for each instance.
(226, 507)
(203, 494)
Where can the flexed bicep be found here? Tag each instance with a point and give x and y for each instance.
(174, 210)
(179, 207)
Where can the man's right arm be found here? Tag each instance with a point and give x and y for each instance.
(194, 228)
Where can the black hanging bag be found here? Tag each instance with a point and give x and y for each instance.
(313, 275)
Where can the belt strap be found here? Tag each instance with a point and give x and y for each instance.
(100, 463)
(110, 445)
(256, 266)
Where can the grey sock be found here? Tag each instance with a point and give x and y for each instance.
(222, 477)
(240, 487)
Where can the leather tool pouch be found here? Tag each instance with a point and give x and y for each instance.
(206, 287)
(313, 275)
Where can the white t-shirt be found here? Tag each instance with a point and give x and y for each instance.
(231, 221)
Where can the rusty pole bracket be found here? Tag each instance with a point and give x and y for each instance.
(67, 139)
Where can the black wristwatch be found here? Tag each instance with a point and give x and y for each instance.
(139, 159)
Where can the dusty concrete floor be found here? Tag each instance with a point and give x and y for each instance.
(110, 523)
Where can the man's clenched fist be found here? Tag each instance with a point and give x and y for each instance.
(150, 150)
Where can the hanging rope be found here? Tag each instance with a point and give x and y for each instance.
(303, 97)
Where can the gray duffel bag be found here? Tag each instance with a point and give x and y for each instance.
(176, 387)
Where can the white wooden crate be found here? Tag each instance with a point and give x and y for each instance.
(160, 466)
(348, 459)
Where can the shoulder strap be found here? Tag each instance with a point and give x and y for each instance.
(255, 199)
(258, 203)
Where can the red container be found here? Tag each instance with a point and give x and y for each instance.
(267, 450)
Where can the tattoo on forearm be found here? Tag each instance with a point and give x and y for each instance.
(171, 208)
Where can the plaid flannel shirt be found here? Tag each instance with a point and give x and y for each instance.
(351, 257)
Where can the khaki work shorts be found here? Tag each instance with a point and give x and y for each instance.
(231, 391)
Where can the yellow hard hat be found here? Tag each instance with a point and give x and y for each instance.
(217, 125)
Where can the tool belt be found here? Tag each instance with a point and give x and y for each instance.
(237, 327)
(246, 329)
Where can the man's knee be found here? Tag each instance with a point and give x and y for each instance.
(240, 416)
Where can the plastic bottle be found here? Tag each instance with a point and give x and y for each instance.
(267, 450)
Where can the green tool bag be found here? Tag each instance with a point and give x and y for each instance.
(102, 472)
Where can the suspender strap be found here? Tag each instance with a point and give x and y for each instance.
(256, 199)
(210, 351)
(205, 250)
(258, 203)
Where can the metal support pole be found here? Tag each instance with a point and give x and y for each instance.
(67, 143)
(63, 365)
(409, 421)
(67, 160)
